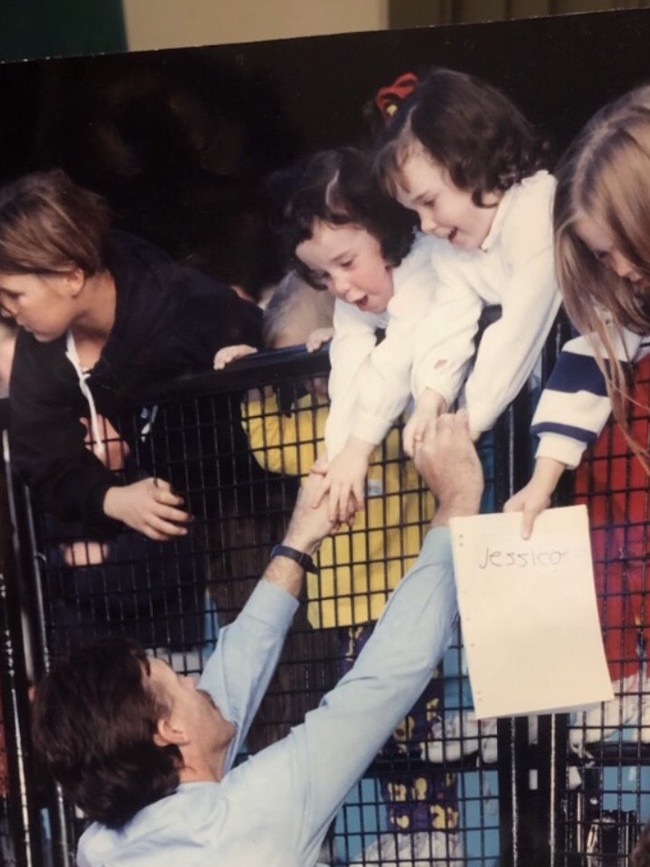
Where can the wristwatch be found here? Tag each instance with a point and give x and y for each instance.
(293, 554)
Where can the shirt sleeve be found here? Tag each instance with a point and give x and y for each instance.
(247, 653)
(353, 343)
(574, 405)
(511, 346)
(385, 380)
(313, 769)
(370, 382)
(515, 271)
(444, 340)
(530, 300)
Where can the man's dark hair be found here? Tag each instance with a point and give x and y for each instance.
(94, 721)
(337, 187)
(468, 127)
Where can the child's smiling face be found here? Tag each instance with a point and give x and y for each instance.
(444, 210)
(348, 262)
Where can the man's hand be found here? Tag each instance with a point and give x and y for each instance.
(447, 461)
(309, 524)
(308, 527)
(149, 506)
(343, 480)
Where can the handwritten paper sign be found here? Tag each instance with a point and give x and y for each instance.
(528, 611)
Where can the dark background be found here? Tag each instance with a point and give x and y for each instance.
(181, 140)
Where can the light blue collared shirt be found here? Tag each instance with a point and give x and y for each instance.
(275, 808)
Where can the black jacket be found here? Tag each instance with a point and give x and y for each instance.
(169, 320)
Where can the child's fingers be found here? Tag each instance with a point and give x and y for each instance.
(351, 510)
(358, 494)
(228, 354)
(521, 502)
(347, 509)
(338, 503)
(318, 337)
(333, 512)
(528, 523)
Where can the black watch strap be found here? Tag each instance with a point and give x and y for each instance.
(293, 554)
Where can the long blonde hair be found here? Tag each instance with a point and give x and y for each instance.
(605, 177)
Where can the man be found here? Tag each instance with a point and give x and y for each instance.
(149, 757)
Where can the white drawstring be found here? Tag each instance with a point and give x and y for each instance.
(98, 445)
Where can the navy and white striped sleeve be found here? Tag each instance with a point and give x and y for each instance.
(574, 405)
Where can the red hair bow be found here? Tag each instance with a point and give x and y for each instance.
(388, 98)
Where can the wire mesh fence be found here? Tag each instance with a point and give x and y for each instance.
(447, 788)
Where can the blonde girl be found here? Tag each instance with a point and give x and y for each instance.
(602, 246)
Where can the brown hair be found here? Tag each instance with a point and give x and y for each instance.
(48, 225)
(94, 720)
(605, 176)
(467, 126)
(336, 187)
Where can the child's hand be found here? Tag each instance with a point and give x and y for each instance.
(534, 497)
(318, 338)
(344, 481)
(428, 407)
(228, 354)
(320, 465)
(148, 506)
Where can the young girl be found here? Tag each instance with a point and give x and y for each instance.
(602, 221)
(460, 154)
(342, 234)
(357, 569)
(100, 315)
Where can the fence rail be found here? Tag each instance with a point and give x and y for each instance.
(555, 790)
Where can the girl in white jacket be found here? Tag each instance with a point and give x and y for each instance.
(343, 235)
(462, 157)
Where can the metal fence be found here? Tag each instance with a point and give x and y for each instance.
(550, 790)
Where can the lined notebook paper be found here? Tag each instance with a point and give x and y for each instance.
(528, 610)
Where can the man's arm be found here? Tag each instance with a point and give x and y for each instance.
(307, 529)
(447, 461)
(315, 767)
(244, 661)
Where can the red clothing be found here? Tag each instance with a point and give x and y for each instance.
(614, 485)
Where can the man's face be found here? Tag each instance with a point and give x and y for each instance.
(191, 710)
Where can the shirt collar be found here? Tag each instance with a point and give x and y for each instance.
(499, 218)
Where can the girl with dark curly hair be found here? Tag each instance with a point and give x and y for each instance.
(460, 155)
(341, 233)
